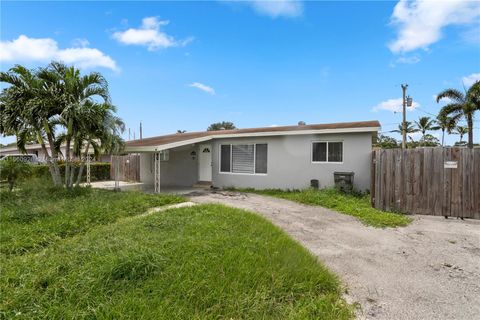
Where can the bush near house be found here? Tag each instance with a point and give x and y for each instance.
(13, 171)
(99, 171)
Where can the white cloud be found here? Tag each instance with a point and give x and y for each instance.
(277, 8)
(80, 42)
(393, 105)
(25, 49)
(150, 35)
(472, 35)
(202, 87)
(468, 81)
(408, 60)
(420, 22)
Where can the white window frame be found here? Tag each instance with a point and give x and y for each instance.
(165, 155)
(231, 159)
(327, 142)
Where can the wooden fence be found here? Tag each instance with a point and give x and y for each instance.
(432, 181)
(128, 167)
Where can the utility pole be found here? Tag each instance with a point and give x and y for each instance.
(404, 111)
(141, 133)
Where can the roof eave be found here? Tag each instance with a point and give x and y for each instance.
(167, 146)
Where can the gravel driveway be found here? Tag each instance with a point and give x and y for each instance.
(428, 270)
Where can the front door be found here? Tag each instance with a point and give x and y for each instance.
(205, 162)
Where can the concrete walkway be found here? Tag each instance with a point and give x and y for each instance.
(428, 270)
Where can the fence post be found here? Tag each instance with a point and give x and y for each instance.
(372, 180)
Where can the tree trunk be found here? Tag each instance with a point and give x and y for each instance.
(82, 166)
(470, 130)
(67, 163)
(56, 177)
(11, 184)
(72, 174)
(49, 162)
(47, 156)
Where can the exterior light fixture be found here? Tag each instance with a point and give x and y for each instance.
(193, 154)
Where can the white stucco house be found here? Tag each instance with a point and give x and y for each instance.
(286, 157)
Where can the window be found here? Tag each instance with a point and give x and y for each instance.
(335, 152)
(225, 158)
(243, 158)
(327, 151)
(319, 152)
(164, 155)
(261, 158)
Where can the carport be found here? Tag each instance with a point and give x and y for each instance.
(173, 162)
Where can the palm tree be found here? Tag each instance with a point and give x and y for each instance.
(25, 109)
(102, 134)
(77, 93)
(409, 128)
(461, 130)
(425, 124)
(444, 123)
(55, 99)
(463, 105)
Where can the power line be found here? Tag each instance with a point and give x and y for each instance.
(420, 109)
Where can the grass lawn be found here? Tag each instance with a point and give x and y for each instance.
(353, 205)
(203, 262)
(34, 217)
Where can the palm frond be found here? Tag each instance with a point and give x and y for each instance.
(452, 94)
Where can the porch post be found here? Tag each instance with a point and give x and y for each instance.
(156, 177)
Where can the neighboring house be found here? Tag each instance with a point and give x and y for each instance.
(285, 157)
(36, 149)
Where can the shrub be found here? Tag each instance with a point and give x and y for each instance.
(99, 171)
(13, 171)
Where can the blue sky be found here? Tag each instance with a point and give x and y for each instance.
(184, 65)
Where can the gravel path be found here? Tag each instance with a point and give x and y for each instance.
(428, 270)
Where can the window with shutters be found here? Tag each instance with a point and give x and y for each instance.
(327, 151)
(243, 158)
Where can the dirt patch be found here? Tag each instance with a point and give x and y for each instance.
(427, 270)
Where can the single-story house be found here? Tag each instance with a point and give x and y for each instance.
(286, 157)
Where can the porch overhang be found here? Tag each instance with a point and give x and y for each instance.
(162, 147)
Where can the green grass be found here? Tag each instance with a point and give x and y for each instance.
(351, 204)
(203, 262)
(36, 216)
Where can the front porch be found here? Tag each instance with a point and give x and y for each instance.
(182, 169)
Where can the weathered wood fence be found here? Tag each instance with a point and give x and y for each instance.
(431, 181)
(128, 167)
